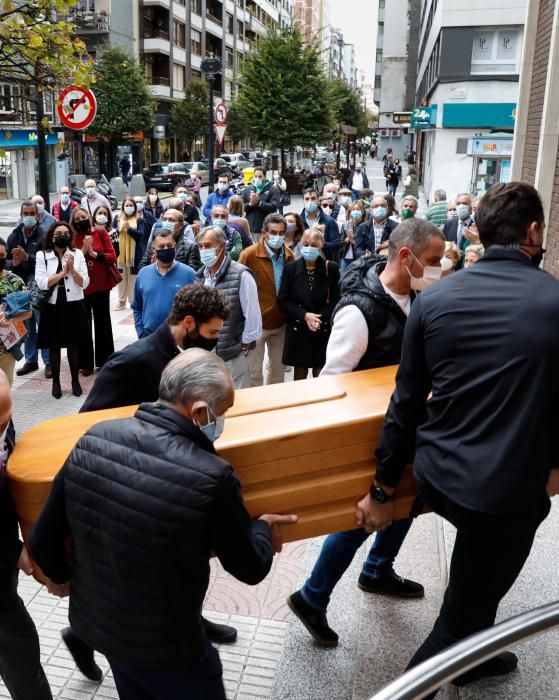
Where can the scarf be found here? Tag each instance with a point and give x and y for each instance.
(127, 245)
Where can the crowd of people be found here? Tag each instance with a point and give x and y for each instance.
(348, 283)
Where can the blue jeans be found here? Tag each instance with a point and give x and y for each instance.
(337, 554)
(198, 680)
(30, 342)
(345, 263)
(354, 195)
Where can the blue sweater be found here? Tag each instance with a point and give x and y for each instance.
(214, 199)
(154, 294)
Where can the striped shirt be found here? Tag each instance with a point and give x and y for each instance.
(438, 214)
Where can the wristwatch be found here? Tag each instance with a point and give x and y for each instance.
(379, 495)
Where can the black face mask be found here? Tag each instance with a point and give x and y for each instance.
(82, 226)
(62, 241)
(198, 341)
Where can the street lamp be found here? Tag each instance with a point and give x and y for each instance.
(211, 66)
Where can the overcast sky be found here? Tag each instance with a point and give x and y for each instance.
(359, 27)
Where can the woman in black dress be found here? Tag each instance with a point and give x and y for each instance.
(64, 323)
(310, 289)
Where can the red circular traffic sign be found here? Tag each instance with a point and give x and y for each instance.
(221, 113)
(76, 107)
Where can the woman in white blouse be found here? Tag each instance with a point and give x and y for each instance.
(60, 266)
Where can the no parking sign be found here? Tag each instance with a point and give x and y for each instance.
(76, 107)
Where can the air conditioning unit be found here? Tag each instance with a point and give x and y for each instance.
(384, 133)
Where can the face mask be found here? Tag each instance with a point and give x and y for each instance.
(213, 429)
(82, 226)
(90, 191)
(168, 225)
(346, 201)
(183, 196)
(219, 222)
(165, 255)
(310, 253)
(62, 241)
(139, 206)
(258, 182)
(29, 221)
(128, 211)
(101, 219)
(379, 213)
(327, 210)
(209, 256)
(222, 186)
(431, 274)
(199, 341)
(276, 242)
(153, 198)
(291, 228)
(463, 211)
(452, 214)
(311, 207)
(40, 209)
(407, 214)
(64, 198)
(332, 195)
(2, 263)
(356, 215)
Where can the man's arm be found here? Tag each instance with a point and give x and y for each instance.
(208, 205)
(332, 240)
(248, 296)
(347, 343)
(137, 306)
(48, 535)
(271, 204)
(361, 240)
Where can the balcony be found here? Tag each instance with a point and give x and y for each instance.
(160, 85)
(90, 22)
(156, 40)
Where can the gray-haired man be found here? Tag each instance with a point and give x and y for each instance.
(139, 569)
(438, 213)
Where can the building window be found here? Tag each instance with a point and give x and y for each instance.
(197, 7)
(240, 31)
(496, 51)
(179, 34)
(239, 60)
(379, 56)
(8, 98)
(229, 56)
(196, 42)
(178, 77)
(229, 25)
(461, 145)
(377, 82)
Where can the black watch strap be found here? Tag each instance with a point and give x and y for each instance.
(379, 495)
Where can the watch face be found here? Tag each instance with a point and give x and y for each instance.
(378, 495)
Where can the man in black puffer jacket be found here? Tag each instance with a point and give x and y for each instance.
(147, 501)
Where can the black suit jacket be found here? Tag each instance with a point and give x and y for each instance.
(133, 374)
(296, 298)
(451, 230)
(484, 343)
(365, 237)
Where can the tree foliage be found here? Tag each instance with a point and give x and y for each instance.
(283, 92)
(189, 118)
(124, 100)
(346, 106)
(38, 47)
(238, 128)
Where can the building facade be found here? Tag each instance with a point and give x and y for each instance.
(313, 19)
(467, 81)
(395, 72)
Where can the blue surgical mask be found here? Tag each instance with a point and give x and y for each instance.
(463, 211)
(209, 256)
(168, 225)
(29, 221)
(64, 198)
(356, 215)
(40, 209)
(346, 201)
(222, 186)
(213, 429)
(311, 207)
(139, 206)
(276, 242)
(90, 191)
(183, 196)
(379, 213)
(128, 211)
(310, 253)
(219, 222)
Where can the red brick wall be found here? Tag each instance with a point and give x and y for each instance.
(537, 90)
(551, 263)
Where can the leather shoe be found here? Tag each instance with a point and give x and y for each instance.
(390, 584)
(27, 368)
(499, 665)
(219, 634)
(315, 620)
(82, 655)
(48, 371)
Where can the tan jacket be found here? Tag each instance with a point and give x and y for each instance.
(256, 258)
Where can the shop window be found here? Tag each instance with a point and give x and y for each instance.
(496, 51)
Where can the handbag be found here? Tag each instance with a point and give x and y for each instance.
(39, 297)
(114, 275)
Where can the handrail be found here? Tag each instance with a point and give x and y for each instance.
(469, 653)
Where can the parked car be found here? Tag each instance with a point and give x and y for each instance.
(256, 157)
(200, 168)
(165, 176)
(237, 161)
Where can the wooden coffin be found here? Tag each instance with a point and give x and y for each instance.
(300, 447)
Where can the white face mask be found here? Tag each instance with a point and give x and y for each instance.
(101, 219)
(431, 274)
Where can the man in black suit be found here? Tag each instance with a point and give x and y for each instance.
(476, 407)
(456, 230)
(376, 229)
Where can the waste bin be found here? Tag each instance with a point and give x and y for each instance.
(248, 174)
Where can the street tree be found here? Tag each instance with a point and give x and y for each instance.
(189, 118)
(238, 128)
(283, 92)
(124, 101)
(346, 106)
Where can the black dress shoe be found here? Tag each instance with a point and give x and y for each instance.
(314, 620)
(499, 665)
(56, 389)
(82, 655)
(48, 371)
(390, 584)
(219, 634)
(76, 388)
(27, 368)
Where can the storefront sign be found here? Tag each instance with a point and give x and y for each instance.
(490, 148)
(424, 117)
(14, 138)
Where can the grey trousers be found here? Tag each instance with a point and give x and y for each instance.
(240, 370)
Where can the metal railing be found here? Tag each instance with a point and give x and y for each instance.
(469, 653)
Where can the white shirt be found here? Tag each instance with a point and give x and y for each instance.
(357, 182)
(46, 266)
(350, 336)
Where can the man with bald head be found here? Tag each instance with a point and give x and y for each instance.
(139, 567)
(376, 229)
(93, 198)
(20, 659)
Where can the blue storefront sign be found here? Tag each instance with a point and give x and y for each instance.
(489, 115)
(15, 138)
(424, 117)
